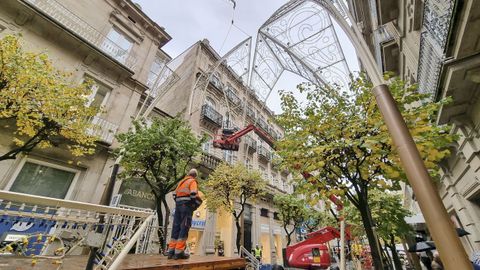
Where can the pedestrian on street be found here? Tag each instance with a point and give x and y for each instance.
(187, 200)
(425, 258)
(436, 262)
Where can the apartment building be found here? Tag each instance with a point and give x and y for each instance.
(222, 100)
(435, 43)
(111, 42)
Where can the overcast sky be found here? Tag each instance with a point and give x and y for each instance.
(189, 21)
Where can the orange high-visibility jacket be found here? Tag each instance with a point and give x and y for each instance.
(187, 190)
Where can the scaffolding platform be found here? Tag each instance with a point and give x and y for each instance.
(131, 262)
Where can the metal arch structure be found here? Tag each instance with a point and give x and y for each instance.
(285, 46)
(300, 37)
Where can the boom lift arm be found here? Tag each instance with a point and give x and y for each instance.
(230, 139)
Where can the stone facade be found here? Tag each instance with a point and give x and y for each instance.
(436, 45)
(110, 41)
(204, 104)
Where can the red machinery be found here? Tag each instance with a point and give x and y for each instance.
(230, 138)
(312, 253)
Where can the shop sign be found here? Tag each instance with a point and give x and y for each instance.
(264, 228)
(198, 224)
(136, 193)
(277, 230)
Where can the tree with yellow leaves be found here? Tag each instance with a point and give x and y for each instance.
(44, 109)
(230, 188)
(339, 136)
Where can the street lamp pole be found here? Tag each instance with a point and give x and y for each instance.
(451, 251)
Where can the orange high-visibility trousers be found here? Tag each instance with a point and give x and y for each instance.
(182, 221)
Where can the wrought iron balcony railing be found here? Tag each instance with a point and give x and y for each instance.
(263, 125)
(211, 115)
(250, 112)
(59, 228)
(264, 153)
(433, 42)
(68, 19)
(215, 81)
(236, 101)
(251, 143)
(103, 129)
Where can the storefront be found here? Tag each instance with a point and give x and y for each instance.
(195, 235)
(224, 233)
(278, 242)
(265, 241)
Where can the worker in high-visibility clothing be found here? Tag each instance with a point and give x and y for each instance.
(187, 200)
(258, 253)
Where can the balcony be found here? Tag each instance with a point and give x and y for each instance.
(276, 161)
(210, 161)
(263, 125)
(250, 143)
(217, 84)
(103, 129)
(236, 101)
(387, 52)
(263, 153)
(250, 112)
(210, 116)
(388, 10)
(66, 18)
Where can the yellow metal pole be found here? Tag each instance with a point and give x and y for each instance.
(451, 251)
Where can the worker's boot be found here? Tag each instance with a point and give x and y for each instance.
(181, 256)
(170, 254)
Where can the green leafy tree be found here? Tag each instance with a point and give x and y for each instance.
(230, 188)
(43, 108)
(292, 212)
(315, 219)
(389, 216)
(340, 137)
(159, 154)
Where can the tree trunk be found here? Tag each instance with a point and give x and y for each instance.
(166, 221)
(393, 248)
(388, 258)
(160, 232)
(239, 234)
(372, 241)
(289, 235)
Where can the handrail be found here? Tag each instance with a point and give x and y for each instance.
(121, 256)
(40, 200)
(249, 256)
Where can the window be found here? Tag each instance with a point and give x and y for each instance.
(155, 70)
(263, 171)
(210, 102)
(263, 212)
(215, 79)
(43, 180)
(229, 121)
(274, 178)
(207, 145)
(276, 216)
(117, 44)
(100, 93)
(248, 164)
(228, 156)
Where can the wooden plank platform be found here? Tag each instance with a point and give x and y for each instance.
(132, 262)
